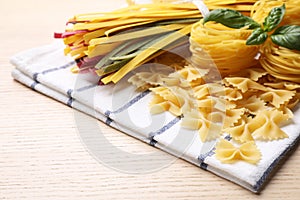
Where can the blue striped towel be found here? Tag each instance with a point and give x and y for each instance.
(46, 70)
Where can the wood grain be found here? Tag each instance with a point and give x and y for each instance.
(41, 154)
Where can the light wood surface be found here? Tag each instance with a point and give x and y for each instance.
(41, 154)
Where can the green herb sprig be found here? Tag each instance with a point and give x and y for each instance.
(287, 36)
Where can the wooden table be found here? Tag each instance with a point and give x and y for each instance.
(41, 154)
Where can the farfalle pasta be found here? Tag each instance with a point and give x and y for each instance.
(253, 104)
(277, 97)
(266, 125)
(248, 107)
(232, 116)
(226, 152)
(244, 84)
(252, 73)
(178, 99)
(240, 131)
(159, 105)
(232, 94)
(208, 130)
(139, 83)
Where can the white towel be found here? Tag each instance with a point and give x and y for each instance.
(46, 70)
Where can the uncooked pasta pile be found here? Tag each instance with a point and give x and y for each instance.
(241, 78)
(231, 88)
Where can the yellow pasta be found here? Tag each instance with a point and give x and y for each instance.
(167, 94)
(158, 105)
(139, 83)
(253, 104)
(178, 99)
(144, 55)
(232, 94)
(226, 152)
(221, 49)
(207, 129)
(136, 34)
(266, 125)
(281, 62)
(283, 85)
(277, 97)
(252, 73)
(191, 74)
(294, 101)
(240, 131)
(261, 9)
(292, 12)
(245, 84)
(232, 116)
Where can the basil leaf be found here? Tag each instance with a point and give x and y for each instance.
(258, 36)
(230, 18)
(274, 18)
(287, 36)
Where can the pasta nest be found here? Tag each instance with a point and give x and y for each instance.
(280, 62)
(261, 9)
(221, 49)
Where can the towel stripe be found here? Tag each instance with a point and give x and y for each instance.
(128, 104)
(153, 142)
(35, 75)
(108, 121)
(70, 102)
(58, 68)
(165, 127)
(70, 91)
(202, 158)
(32, 86)
(210, 153)
(87, 87)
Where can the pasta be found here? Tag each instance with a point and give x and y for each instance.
(228, 87)
(283, 85)
(232, 116)
(178, 99)
(233, 94)
(240, 131)
(226, 152)
(280, 62)
(244, 84)
(261, 9)
(265, 126)
(232, 90)
(159, 105)
(140, 84)
(277, 97)
(253, 104)
(221, 49)
(252, 73)
(292, 12)
(207, 129)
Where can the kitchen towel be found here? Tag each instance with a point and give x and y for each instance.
(46, 70)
